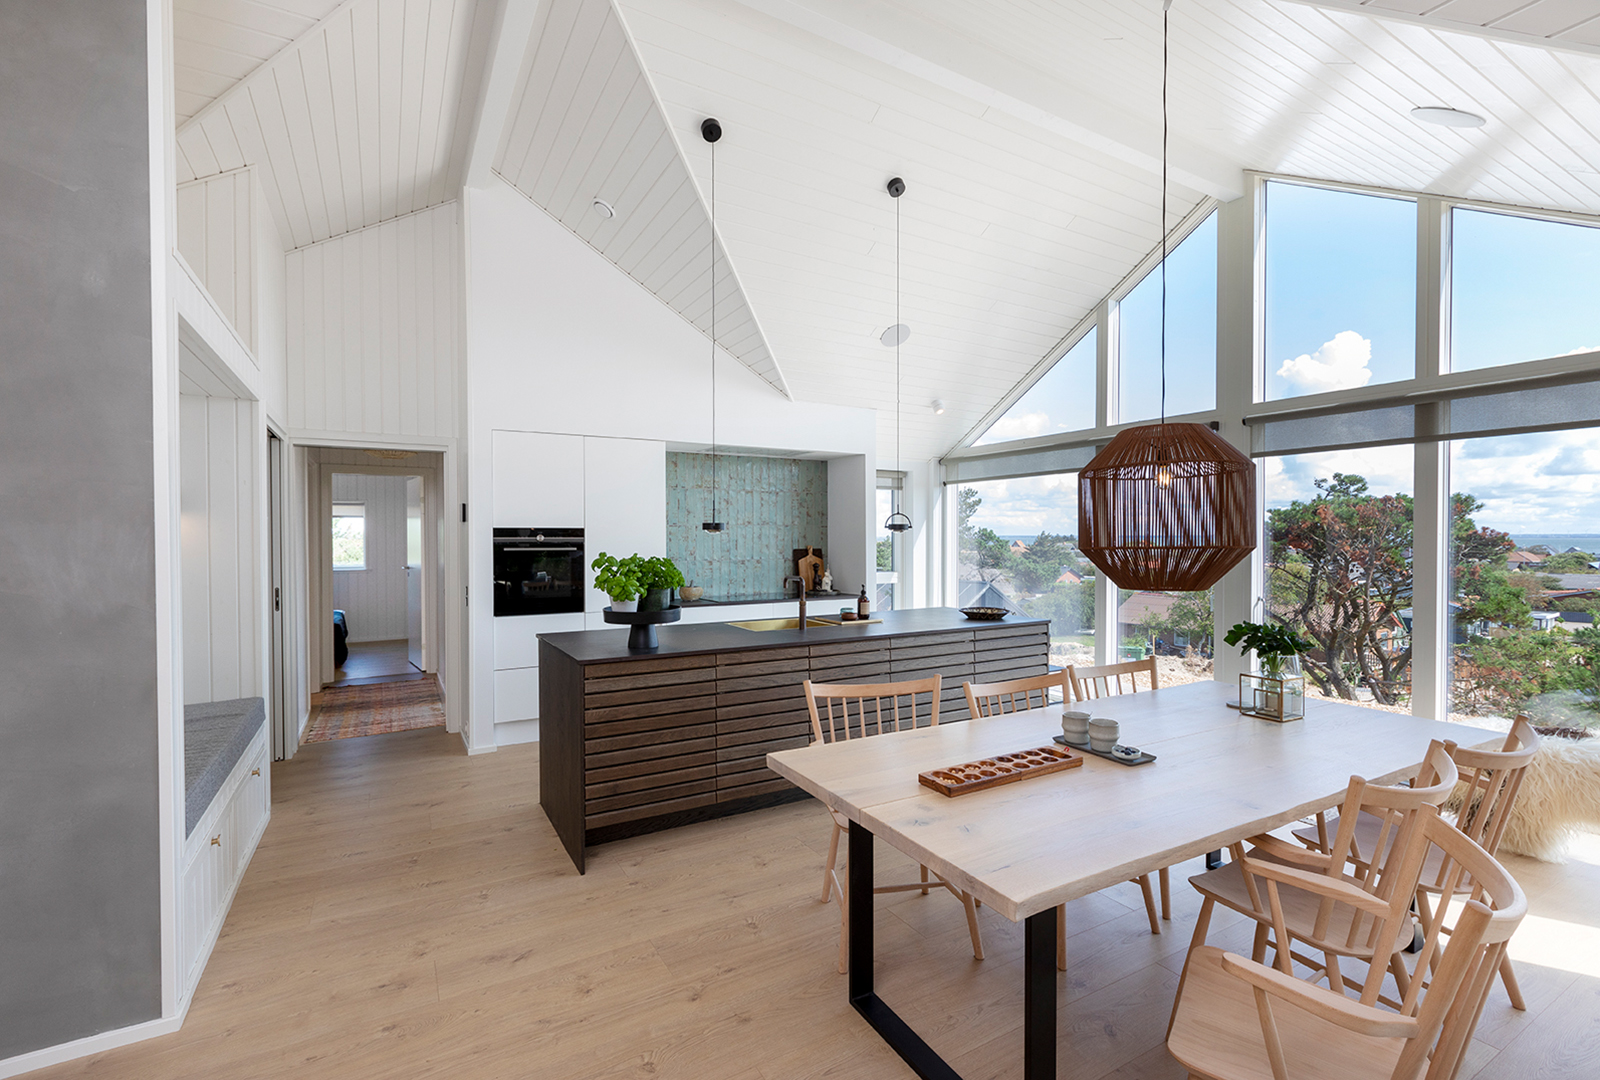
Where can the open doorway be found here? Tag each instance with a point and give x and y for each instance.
(375, 634)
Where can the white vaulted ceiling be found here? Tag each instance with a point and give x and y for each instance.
(1029, 137)
(585, 124)
(217, 44)
(365, 115)
(1567, 23)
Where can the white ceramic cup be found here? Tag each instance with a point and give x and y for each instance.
(1103, 734)
(1075, 727)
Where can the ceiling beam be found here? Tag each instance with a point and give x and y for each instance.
(1442, 22)
(508, 49)
(999, 82)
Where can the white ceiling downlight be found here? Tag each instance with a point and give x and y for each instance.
(895, 335)
(1438, 114)
(604, 209)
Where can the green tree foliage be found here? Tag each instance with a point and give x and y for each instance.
(1481, 585)
(1068, 606)
(886, 553)
(1036, 569)
(993, 552)
(1343, 564)
(1568, 562)
(967, 502)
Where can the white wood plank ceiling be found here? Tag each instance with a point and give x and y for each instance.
(1571, 24)
(1028, 135)
(585, 124)
(362, 116)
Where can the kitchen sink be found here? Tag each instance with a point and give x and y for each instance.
(778, 624)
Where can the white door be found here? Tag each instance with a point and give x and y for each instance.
(414, 571)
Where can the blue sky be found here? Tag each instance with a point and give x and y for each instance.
(1341, 313)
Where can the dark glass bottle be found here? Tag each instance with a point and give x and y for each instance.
(863, 605)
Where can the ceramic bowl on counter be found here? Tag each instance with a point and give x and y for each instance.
(688, 594)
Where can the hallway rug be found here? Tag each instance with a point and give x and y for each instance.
(349, 712)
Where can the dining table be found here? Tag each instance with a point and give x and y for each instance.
(1024, 848)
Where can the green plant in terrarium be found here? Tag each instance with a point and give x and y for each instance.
(1273, 643)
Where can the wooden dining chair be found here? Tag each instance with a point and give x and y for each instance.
(831, 706)
(1372, 930)
(1236, 1019)
(1486, 794)
(1111, 680)
(1033, 692)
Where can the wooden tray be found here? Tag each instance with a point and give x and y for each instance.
(1142, 759)
(1000, 769)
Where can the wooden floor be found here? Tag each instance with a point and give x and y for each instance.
(376, 661)
(411, 914)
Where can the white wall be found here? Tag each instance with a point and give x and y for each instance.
(374, 599)
(561, 342)
(217, 238)
(372, 330)
(221, 532)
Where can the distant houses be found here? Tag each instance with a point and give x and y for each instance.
(1525, 560)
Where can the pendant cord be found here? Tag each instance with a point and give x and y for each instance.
(1165, 15)
(714, 517)
(898, 334)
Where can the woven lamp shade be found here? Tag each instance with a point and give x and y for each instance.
(1167, 507)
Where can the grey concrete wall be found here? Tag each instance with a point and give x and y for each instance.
(79, 876)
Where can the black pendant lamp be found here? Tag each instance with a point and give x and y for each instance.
(896, 522)
(711, 131)
(1167, 507)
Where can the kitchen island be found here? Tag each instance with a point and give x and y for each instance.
(636, 742)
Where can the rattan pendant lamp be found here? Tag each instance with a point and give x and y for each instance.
(1167, 507)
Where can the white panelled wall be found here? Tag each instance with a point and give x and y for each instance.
(220, 536)
(374, 599)
(373, 331)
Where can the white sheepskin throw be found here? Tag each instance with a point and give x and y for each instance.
(1560, 795)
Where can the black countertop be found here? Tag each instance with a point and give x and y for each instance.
(601, 646)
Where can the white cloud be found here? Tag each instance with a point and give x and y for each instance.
(1025, 426)
(1341, 364)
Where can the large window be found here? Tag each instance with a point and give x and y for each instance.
(1017, 549)
(1339, 559)
(1524, 588)
(349, 536)
(1521, 289)
(889, 543)
(1062, 400)
(1341, 287)
(1191, 374)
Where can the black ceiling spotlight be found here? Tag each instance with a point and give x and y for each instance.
(711, 131)
(896, 522)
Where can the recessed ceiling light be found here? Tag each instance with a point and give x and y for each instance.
(1438, 114)
(938, 407)
(604, 209)
(895, 335)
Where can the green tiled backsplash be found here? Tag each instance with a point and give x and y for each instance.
(771, 506)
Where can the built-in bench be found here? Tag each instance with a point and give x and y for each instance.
(227, 799)
(215, 736)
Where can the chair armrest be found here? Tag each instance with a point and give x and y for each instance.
(1268, 844)
(1333, 888)
(1334, 1008)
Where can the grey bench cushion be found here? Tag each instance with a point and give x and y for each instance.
(215, 736)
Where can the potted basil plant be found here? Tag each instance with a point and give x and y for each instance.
(658, 576)
(1278, 691)
(620, 579)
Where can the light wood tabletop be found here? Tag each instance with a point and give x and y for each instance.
(1026, 847)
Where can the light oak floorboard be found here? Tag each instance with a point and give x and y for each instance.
(410, 913)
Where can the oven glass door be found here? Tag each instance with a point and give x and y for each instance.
(538, 574)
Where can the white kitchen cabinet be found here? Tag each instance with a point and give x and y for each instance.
(516, 695)
(539, 480)
(216, 854)
(516, 637)
(625, 501)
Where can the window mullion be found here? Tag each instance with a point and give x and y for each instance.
(1430, 518)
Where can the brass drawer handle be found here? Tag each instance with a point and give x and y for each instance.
(216, 841)
(255, 772)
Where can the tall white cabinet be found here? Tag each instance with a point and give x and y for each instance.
(616, 489)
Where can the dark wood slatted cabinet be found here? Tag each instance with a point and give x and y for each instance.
(637, 742)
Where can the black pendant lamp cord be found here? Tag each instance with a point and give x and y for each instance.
(1165, 14)
(898, 334)
(714, 517)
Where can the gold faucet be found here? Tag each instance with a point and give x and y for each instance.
(802, 583)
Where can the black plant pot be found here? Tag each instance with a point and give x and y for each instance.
(656, 600)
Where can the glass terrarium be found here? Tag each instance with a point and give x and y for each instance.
(1276, 692)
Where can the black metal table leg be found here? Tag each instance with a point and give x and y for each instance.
(1039, 996)
(1213, 859)
(893, 1030)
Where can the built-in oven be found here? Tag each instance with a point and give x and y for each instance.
(538, 571)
